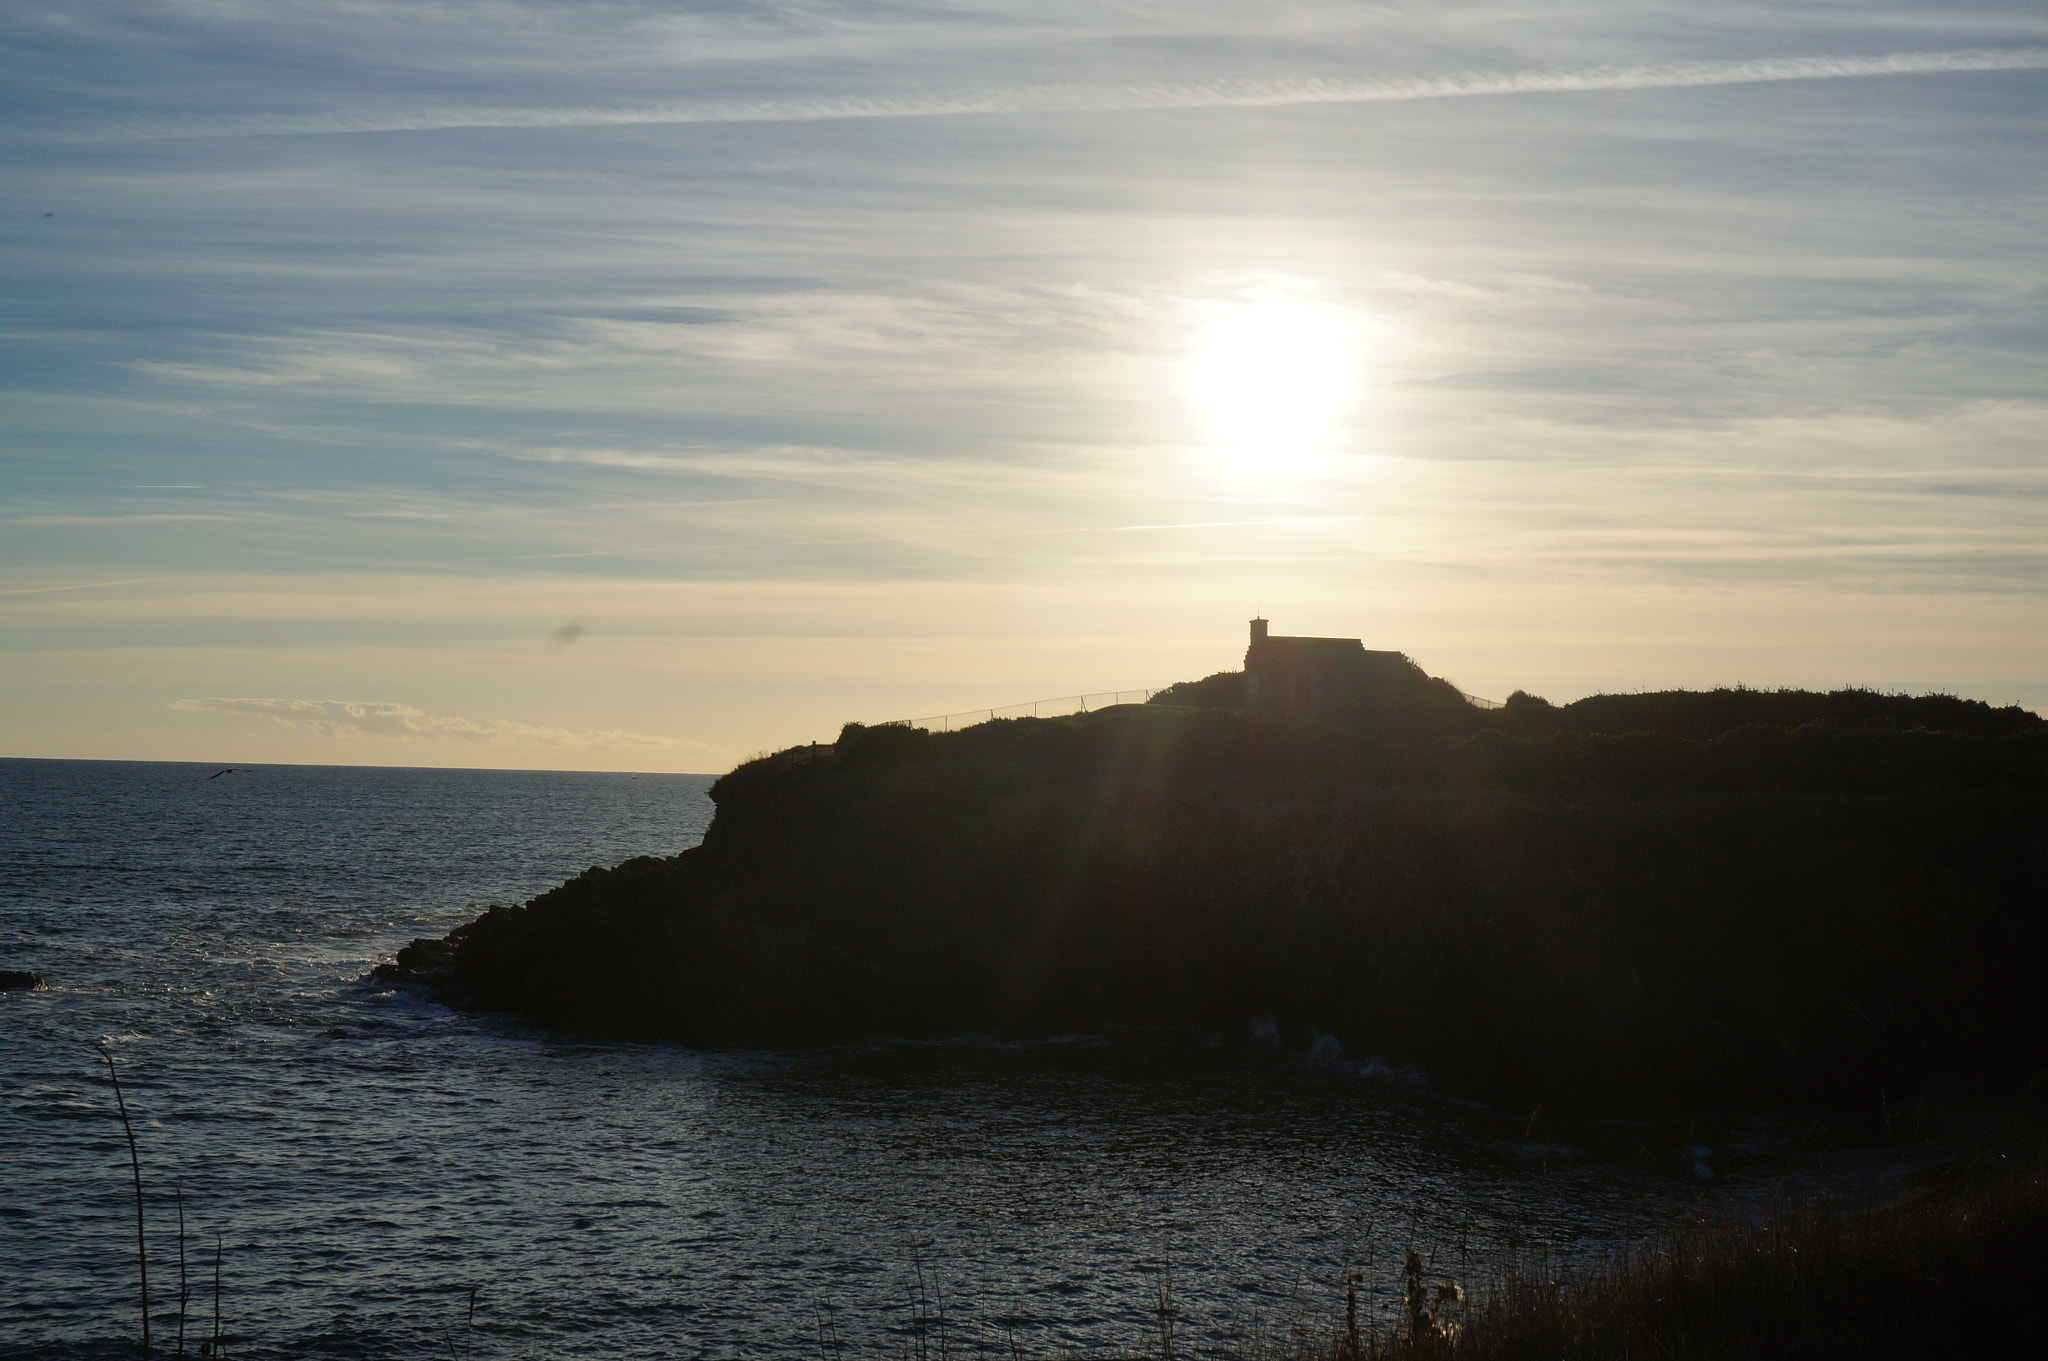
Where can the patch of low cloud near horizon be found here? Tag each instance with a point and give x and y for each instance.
(342, 718)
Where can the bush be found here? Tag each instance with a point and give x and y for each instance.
(1223, 690)
(1934, 1277)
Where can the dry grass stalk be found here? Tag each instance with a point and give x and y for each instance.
(135, 1165)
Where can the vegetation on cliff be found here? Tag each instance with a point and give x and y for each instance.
(1948, 1274)
(1533, 903)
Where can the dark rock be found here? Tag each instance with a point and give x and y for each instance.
(430, 964)
(424, 963)
(33, 982)
(1766, 915)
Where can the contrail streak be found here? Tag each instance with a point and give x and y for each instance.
(1210, 94)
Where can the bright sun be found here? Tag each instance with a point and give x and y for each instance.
(1271, 376)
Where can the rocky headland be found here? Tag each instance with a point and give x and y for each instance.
(1674, 897)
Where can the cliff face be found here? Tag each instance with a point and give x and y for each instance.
(1554, 935)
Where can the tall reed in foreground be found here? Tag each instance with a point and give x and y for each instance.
(184, 1291)
(135, 1165)
(213, 1348)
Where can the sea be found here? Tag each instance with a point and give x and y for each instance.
(334, 1167)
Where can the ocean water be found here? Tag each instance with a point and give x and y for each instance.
(358, 1160)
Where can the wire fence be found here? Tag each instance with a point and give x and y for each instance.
(1036, 708)
(1070, 704)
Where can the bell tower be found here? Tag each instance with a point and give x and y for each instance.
(1258, 691)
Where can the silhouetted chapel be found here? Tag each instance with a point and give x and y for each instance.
(1311, 675)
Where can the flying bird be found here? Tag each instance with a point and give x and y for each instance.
(218, 773)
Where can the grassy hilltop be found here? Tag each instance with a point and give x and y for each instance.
(1678, 896)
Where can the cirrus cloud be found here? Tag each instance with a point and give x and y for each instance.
(1075, 98)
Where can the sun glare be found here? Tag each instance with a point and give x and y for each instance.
(1270, 377)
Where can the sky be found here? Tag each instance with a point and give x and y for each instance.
(640, 386)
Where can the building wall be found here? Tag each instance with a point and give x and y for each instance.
(1299, 675)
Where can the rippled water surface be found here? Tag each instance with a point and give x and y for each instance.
(365, 1157)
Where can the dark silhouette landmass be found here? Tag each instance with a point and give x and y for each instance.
(1668, 897)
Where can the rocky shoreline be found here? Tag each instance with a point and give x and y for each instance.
(1528, 935)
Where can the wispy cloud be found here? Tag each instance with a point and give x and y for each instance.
(345, 718)
(111, 519)
(1075, 98)
(81, 586)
